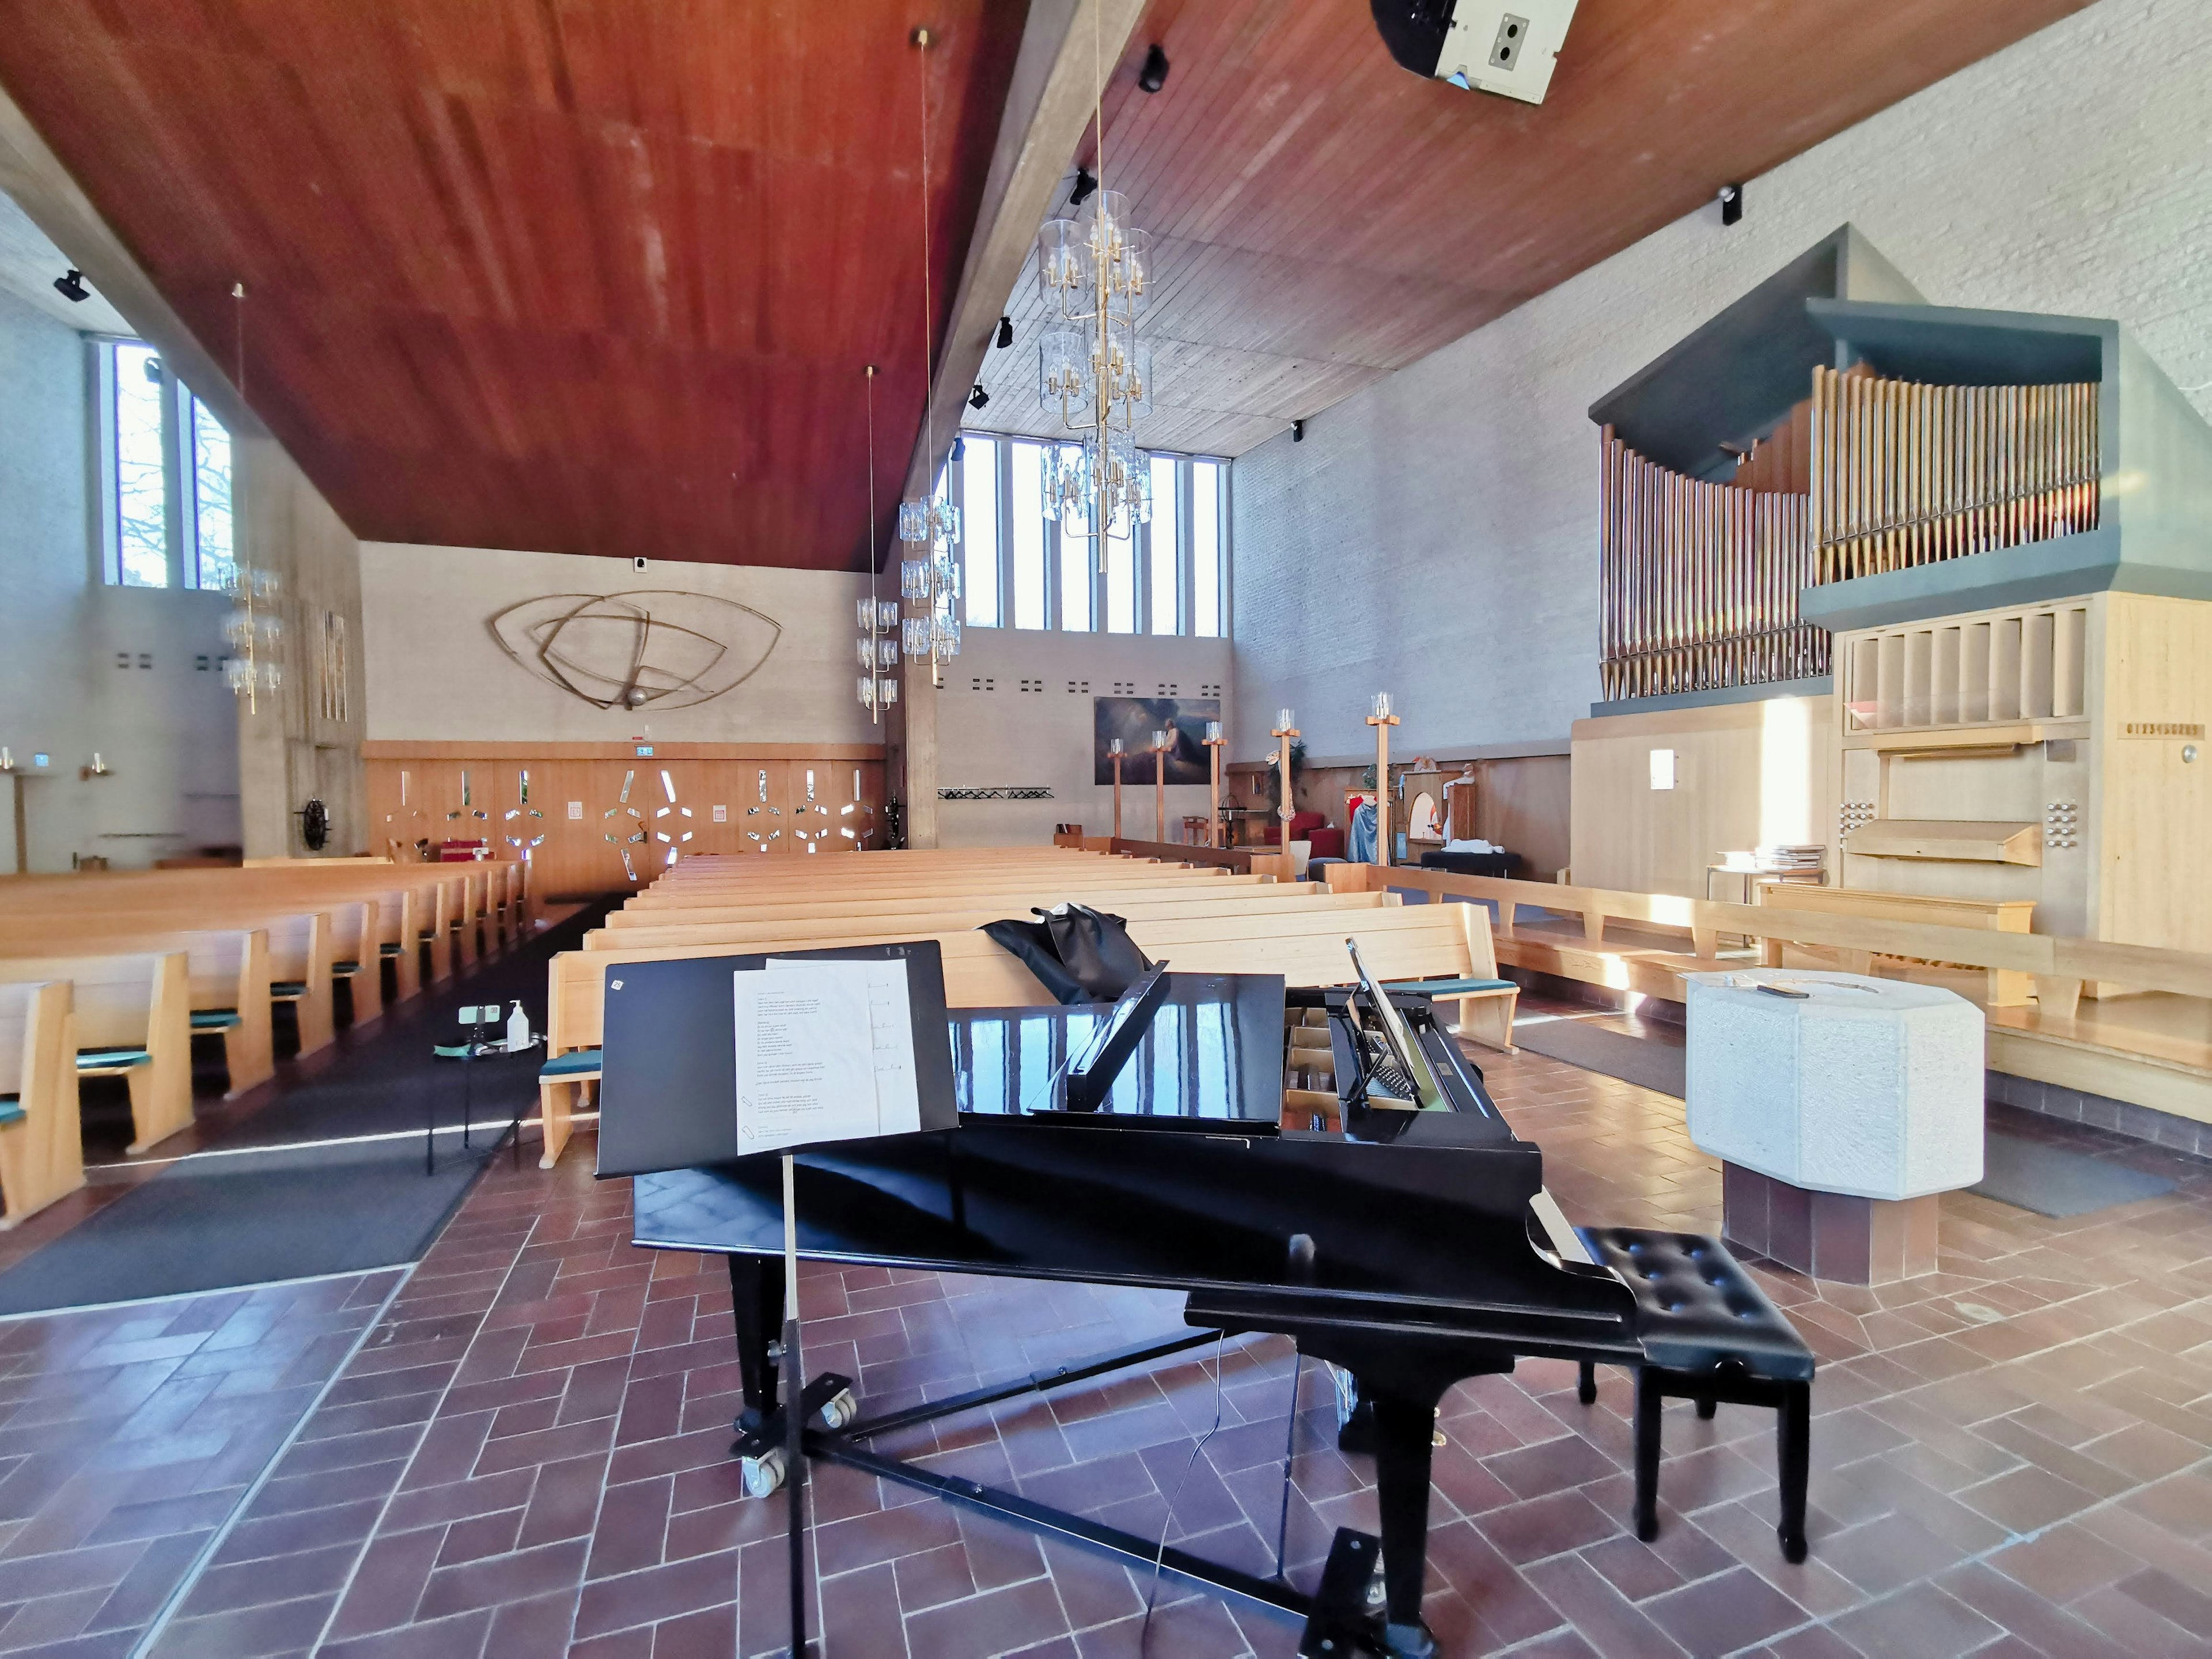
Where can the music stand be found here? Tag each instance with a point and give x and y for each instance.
(668, 1100)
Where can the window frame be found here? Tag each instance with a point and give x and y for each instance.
(180, 526)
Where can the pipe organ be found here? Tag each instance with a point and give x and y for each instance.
(1701, 578)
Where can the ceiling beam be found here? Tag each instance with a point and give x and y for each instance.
(1052, 96)
(32, 173)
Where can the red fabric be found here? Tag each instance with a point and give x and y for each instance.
(1303, 828)
(1328, 843)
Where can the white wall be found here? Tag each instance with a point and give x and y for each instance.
(436, 674)
(168, 730)
(1435, 535)
(1004, 735)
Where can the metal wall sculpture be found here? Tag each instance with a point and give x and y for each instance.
(644, 647)
(1700, 582)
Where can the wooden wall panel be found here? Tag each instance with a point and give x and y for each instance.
(416, 799)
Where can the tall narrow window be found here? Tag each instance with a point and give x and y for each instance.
(1166, 547)
(1074, 576)
(1206, 619)
(1120, 572)
(141, 494)
(1026, 534)
(979, 510)
(214, 543)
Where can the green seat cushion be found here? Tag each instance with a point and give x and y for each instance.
(579, 1060)
(1450, 988)
(111, 1059)
(288, 989)
(345, 968)
(391, 948)
(11, 1109)
(215, 1019)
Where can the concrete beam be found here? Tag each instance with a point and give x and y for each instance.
(52, 200)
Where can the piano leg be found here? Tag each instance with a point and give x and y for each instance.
(756, 1298)
(1405, 1435)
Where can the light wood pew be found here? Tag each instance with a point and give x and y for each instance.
(1447, 946)
(41, 1142)
(228, 969)
(1016, 899)
(1096, 880)
(2008, 988)
(134, 1020)
(828, 924)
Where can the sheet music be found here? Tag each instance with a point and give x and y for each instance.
(805, 1060)
(882, 984)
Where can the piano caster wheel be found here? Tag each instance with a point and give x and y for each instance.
(1408, 1641)
(838, 1410)
(762, 1474)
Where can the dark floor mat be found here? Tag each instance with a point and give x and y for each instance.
(265, 1203)
(2033, 1174)
(1645, 1061)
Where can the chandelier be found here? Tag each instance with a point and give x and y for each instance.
(929, 525)
(1094, 274)
(879, 618)
(252, 630)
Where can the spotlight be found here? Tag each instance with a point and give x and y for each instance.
(978, 398)
(1154, 74)
(1006, 333)
(1085, 183)
(72, 286)
(1297, 432)
(1731, 204)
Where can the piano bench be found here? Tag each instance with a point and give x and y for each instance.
(1709, 1333)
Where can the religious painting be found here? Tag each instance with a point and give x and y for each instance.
(1134, 720)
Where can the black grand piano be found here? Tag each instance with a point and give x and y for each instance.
(1322, 1165)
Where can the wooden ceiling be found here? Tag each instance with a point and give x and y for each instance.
(1324, 216)
(582, 275)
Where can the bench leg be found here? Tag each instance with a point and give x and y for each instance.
(553, 1110)
(1793, 1447)
(1488, 1019)
(1649, 1401)
(1586, 1383)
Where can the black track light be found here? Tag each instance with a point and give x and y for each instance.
(1085, 183)
(1297, 432)
(1006, 333)
(72, 286)
(1154, 74)
(1731, 204)
(978, 398)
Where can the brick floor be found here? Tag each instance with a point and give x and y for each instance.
(528, 1457)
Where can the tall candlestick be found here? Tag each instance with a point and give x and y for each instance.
(1284, 730)
(1161, 744)
(1114, 748)
(1383, 719)
(1213, 742)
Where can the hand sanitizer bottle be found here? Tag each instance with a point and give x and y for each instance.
(518, 1029)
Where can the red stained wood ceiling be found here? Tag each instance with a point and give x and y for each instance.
(1323, 216)
(582, 275)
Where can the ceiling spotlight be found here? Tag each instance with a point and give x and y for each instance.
(1731, 204)
(1085, 183)
(72, 286)
(978, 398)
(1297, 432)
(1006, 333)
(1154, 74)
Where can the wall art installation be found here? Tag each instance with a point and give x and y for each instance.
(644, 647)
(1134, 720)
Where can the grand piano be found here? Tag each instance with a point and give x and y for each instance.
(1322, 1165)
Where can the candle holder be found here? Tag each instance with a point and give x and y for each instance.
(1161, 742)
(1114, 749)
(1284, 729)
(1214, 741)
(1382, 720)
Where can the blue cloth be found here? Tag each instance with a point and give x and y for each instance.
(1361, 848)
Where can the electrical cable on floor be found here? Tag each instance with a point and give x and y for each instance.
(1290, 1441)
(1167, 1521)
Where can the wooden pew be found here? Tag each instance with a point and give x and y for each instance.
(1447, 946)
(228, 969)
(1106, 879)
(134, 1020)
(2006, 989)
(1016, 901)
(41, 1144)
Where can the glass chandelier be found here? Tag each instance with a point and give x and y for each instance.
(929, 525)
(252, 630)
(879, 653)
(1094, 274)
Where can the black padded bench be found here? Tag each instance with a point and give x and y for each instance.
(1709, 1333)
